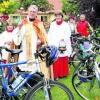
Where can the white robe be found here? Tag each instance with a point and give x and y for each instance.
(58, 32)
(6, 37)
(20, 39)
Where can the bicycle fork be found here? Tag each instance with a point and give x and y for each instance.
(47, 90)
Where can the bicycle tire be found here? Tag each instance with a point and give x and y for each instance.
(53, 84)
(75, 87)
(75, 60)
(84, 89)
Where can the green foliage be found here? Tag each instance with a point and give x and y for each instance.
(70, 7)
(42, 4)
(1, 1)
(26, 3)
(98, 32)
(13, 7)
(2, 26)
(9, 6)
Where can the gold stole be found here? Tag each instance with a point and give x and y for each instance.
(28, 41)
(39, 29)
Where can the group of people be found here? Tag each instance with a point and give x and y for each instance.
(30, 33)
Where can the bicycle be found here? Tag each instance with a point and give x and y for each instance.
(46, 89)
(7, 91)
(11, 90)
(81, 52)
(86, 76)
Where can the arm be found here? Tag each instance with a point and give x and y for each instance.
(90, 27)
(18, 35)
(2, 40)
(68, 41)
(68, 47)
(50, 35)
(76, 29)
(67, 30)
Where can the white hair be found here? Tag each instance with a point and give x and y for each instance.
(34, 7)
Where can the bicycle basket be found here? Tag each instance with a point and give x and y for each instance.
(84, 76)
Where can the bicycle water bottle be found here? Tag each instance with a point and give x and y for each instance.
(14, 73)
(18, 80)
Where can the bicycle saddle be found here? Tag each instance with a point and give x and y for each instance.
(15, 51)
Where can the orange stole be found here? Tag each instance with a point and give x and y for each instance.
(39, 29)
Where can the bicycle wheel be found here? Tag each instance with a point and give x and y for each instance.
(58, 91)
(86, 88)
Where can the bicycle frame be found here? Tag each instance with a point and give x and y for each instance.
(5, 81)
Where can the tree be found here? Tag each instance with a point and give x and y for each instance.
(2, 26)
(1, 1)
(70, 6)
(88, 7)
(8, 6)
(43, 5)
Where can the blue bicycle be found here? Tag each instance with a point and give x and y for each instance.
(22, 81)
(43, 90)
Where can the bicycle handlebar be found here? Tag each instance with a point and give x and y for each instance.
(81, 39)
(75, 35)
(12, 51)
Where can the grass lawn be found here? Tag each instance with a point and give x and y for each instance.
(68, 82)
(94, 95)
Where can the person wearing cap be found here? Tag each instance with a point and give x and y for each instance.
(32, 33)
(82, 26)
(72, 24)
(59, 35)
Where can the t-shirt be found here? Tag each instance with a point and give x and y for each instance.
(82, 27)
